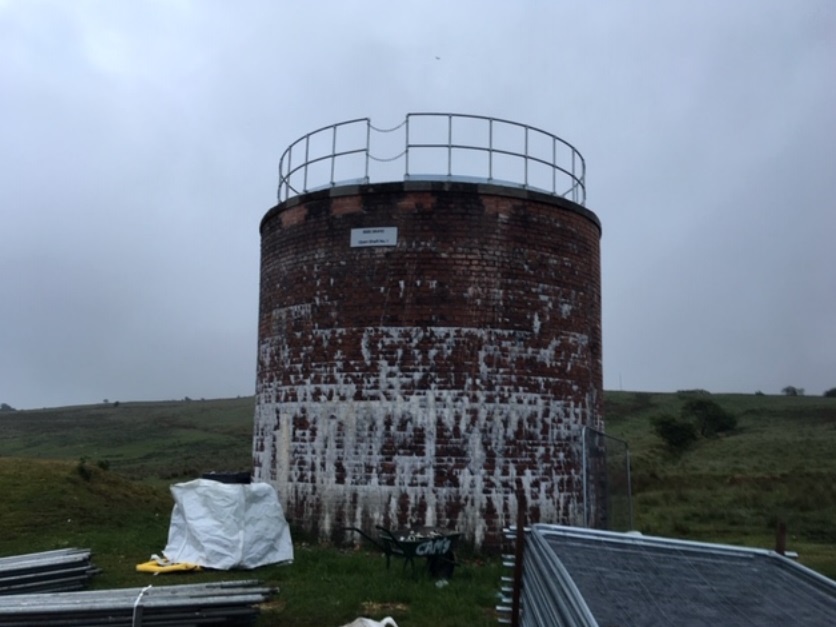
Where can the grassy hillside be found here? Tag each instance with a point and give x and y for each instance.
(778, 465)
(96, 476)
(63, 502)
(146, 441)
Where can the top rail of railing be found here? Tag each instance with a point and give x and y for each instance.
(433, 146)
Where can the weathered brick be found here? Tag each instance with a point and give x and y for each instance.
(430, 382)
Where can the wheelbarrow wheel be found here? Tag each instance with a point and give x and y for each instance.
(442, 566)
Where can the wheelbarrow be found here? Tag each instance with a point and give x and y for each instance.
(436, 545)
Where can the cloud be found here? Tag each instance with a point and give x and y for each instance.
(141, 143)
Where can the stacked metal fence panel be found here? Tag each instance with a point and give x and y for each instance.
(583, 577)
(505, 596)
(47, 571)
(549, 598)
(232, 603)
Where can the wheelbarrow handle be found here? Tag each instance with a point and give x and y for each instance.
(367, 537)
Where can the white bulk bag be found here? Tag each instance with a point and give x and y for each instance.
(223, 525)
(368, 622)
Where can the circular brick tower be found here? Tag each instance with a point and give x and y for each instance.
(429, 328)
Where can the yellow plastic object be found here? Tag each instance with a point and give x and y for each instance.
(157, 565)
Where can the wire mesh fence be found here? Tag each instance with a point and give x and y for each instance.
(608, 499)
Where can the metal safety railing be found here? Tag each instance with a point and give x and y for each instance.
(433, 146)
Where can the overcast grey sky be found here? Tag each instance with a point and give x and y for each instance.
(140, 141)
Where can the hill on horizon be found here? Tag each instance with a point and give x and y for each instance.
(776, 466)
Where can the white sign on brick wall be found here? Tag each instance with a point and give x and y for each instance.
(375, 236)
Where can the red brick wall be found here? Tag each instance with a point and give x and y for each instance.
(426, 383)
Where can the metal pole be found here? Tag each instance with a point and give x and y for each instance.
(449, 145)
(519, 551)
(406, 149)
(584, 462)
(490, 149)
(574, 180)
(554, 163)
(781, 538)
(333, 151)
(287, 178)
(281, 178)
(368, 145)
(305, 173)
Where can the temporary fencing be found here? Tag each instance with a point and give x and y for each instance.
(575, 577)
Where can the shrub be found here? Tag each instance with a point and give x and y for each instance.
(791, 390)
(708, 417)
(6, 407)
(831, 393)
(678, 434)
(84, 470)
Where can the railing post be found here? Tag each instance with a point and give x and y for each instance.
(282, 178)
(368, 144)
(554, 160)
(406, 148)
(490, 149)
(289, 170)
(307, 160)
(574, 180)
(449, 145)
(333, 152)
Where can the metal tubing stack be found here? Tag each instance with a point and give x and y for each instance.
(61, 570)
(233, 603)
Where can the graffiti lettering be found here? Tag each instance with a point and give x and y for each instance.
(433, 547)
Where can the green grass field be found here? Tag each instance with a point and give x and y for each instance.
(97, 477)
(778, 465)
